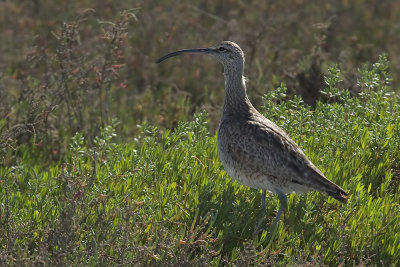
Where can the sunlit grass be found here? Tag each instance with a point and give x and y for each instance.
(164, 198)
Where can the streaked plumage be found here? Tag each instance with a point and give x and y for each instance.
(253, 149)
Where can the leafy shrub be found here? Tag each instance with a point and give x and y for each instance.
(163, 197)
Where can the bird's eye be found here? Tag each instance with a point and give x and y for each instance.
(222, 49)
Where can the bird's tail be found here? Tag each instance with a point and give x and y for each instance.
(316, 180)
(338, 194)
(322, 184)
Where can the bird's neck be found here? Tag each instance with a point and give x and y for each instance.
(236, 100)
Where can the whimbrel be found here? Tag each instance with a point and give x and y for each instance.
(254, 150)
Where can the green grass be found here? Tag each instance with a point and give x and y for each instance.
(163, 198)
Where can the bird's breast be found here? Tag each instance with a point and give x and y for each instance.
(239, 163)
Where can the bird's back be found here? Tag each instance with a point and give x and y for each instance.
(259, 154)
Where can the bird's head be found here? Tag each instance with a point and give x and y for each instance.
(228, 53)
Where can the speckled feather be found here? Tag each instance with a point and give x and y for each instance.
(257, 153)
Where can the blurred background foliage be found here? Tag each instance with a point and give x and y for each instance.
(68, 66)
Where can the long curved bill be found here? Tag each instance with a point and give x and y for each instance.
(184, 51)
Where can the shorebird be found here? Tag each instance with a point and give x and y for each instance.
(254, 150)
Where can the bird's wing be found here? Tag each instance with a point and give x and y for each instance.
(264, 145)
